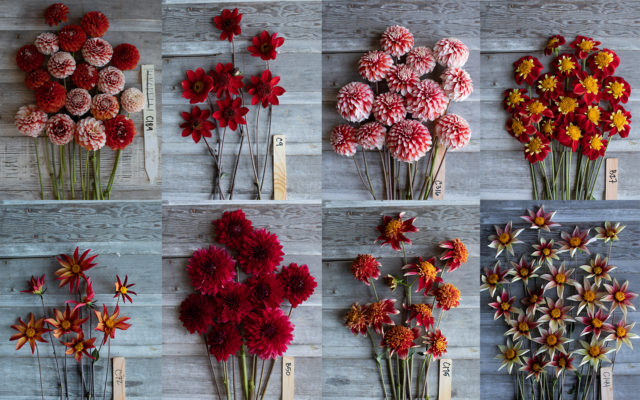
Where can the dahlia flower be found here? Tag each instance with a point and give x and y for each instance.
(553, 43)
(426, 272)
(261, 252)
(421, 59)
(523, 270)
(36, 285)
(78, 101)
(265, 291)
(371, 136)
(85, 76)
(522, 326)
(365, 268)
(587, 86)
(229, 23)
(232, 229)
(510, 354)
(422, 313)
(297, 282)
(356, 320)
(196, 124)
(104, 107)
(436, 343)
(196, 313)
(231, 113)
(30, 120)
(110, 80)
(594, 352)
(577, 240)
(562, 363)
(583, 46)
(232, 302)
(570, 135)
(402, 79)
(377, 314)
(618, 121)
(343, 140)
(375, 65)
(73, 268)
(588, 296)
(549, 87)
(515, 99)
(61, 65)
(120, 132)
(123, 291)
(620, 296)
(210, 269)
(492, 278)
(527, 69)
(224, 340)
(37, 78)
(594, 145)
(535, 367)
(556, 314)
(598, 269)
(47, 43)
(595, 323)
(66, 322)
(399, 339)
(505, 238)
(90, 134)
(125, 56)
(88, 300)
(55, 14)
(355, 101)
(559, 278)
(504, 306)
(71, 38)
(621, 333)
(396, 40)
(264, 89)
(97, 52)
(427, 101)
(29, 58)
(392, 231)
(615, 89)
(408, 140)
(79, 347)
(132, 100)
(95, 23)
(451, 52)
(268, 333)
(453, 131)
(603, 63)
(447, 296)
(545, 251)
(30, 332)
(533, 300)
(551, 341)
(388, 108)
(456, 83)
(566, 65)
(265, 45)
(537, 148)
(60, 129)
(609, 233)
(540, 219)
(108, 324)
(225, 80)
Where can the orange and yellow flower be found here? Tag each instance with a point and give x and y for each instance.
(74, 268)
(392, 231)
(66, 322)
(447, 296)
(79, 347)
(426, 272)
(109, 323)
(436, 343)
(356, 320)
(455, 253)
(30, 332)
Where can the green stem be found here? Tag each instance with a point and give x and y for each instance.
(113, 174)
(72, 169)
(393, 382)
(243, 372)
(375, 352)
(50, 170)
(35, 146)
(63, 167)
(534, 181)
(96, 173)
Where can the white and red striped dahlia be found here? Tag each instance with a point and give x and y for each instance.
(451, 52)
(78, 101)
(396, 40)
(61, 65)
(456, 83)
(453, 131)
(408, 140)
(402, 79)
(97, 52)
(343, 140)
(47, 43)
(132, 100)
(388, 108)
(355, 101)
(427, 101)
(421, 59)
(60, 129)
(90, 134)
(110, 80)
(30, 120)
(371, 135)
(375, 65)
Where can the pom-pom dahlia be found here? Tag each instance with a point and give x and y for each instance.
(55, 14)
(71, 38)
(29, 58)
(110, 80)
(47, 43)
(396, 40)
(37, 78)
(61, 65)
(196, 313)
(104, 106)
(90, 134)
(375, 65)
(125, 56)
(210, 270)
(232, 229)
(453, 131)
(371, 135)
(297, 282)
(402, 79)
(408, 140)
(427, 101)
(97, 52)
(120, 132)
(377, 314)
(78, 101)
(343, 140)
(232, 302)
(85, 76)
(355, 320)
(50, 97)
(447, 296)
(265, 291)
(421, 59)
(399, 339)
(261, 252)
(30, 120)
(451, 52)
(388, 108)
(268, 333)
(95, 23)
(365, 267)
(355, 101)
(456, 83)
(132, 100)
(60, 129)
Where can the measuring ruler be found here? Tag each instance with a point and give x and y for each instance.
(151, 150)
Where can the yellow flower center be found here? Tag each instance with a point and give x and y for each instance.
(505, 306)
(427, 270)
(556, 313)
(536, 107)
(567, 64)
(574, 132)
(575, 241)
(65, 324)
(510, 354)
(620, 296)
(552, 42)
(593, 113)
(393, 228)
(75, 268)
(594, 351)
(493, 279)
(517, 127)
(535, 145)
(567, 105)
(590, 84)
(30, 332)
(539, 221)
(586, 45)
(79, 347)
(440, 345)
(561, 278)
(515, 98)
(610, 233)
(596, 323)
(589, 296)
(597, 270)
(616, 89)
(548, 83)
(536, 367)
(197, 86)
(546, 251)
(533, 298)
(621, 332)
(551, 340)
(525, 67)
(562, 362)
(123, 289)
(523, 327)
(109, 323)
(524, 272)
(596, 142)
(422, 309)
(619, 120)
(547, 128)
(504, 238)
(603, 59)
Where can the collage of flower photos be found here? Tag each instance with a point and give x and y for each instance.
(319, 199)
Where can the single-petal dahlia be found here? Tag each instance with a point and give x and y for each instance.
(537, 148)
(396, 40)
(570, 135)
(297, 282)
(421, 59)
(85, 76)
(553, 43)
(562, 363)
(510, 354)
(588, 86)
(50, 97)
(36, 286)
(375, 65)
(549, 87)
(66, 322)
(261, 252)
(533, 300)
(545, 251)
(595, 323)
(60, 129)
(534, 110)
(229, 23)
(566, 65)
(426, 273)
(527, 69)
(504, 306)
(61, 65)
(55, 14)
(123, 290)
(78, 102)
(583, 46)
(594, 145)
(355, 101)
(232, 229)
(621, 333)
(392, 231)
(73, 268)
(610, 232)
(264, 89)
(451, 52)
(30, 120)
(577, 240)
(197, 313)
(371, 135)
(559, 278)
(515, 99)
(132, 100)
(455, 253)
(90, 133)
(356, 320)
(447, 296)
(456, 83)
(268, 333)
(109, 323)
(422, 313)
(88, 300)
(377, 314)
(226, 80)
(505, 238)
(95, 23)
(37, 78)
(556, 314)
(588, 296)
(535, 366)
(618, 121)
(603, 63)
(343, 140)
(265, 45)
(125, 56)
(120, 132)
(453, 131)
(427, 101)
(408, 140)
(224, 340)
(492, 278)
(47, 43)
(30, 332)
(620, 296)
(365, 268)
(399, 339)
(232, 303)
(522, 326)
(29, 58)
(97, 52)
(402, 79)
(540, 219)
(598, 269)
(265, 291)
(197, 124)
(210, 269)
(616, 89)
(436, 343)
(594, 352)
(79, 346)
(71, 38)
(388, 108)
(110, 80)
(231, 113)
(104, 107)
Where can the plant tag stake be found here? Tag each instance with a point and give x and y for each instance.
(438, 182)
(119, 378)
(149, 122)
(606, 382)
(444, 381)
(279, 168)
(611, 185)
(288, 367)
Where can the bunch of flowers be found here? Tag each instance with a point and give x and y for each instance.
(79, 87)
(240, 288)
(561, 319)
(405, 93)
(73, 326)
(575, 107)
(417, 324)
(224, 88)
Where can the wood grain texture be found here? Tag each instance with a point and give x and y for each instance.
(126, 235)
(187, 227)
(569, 214)
(190, 40)
(20, 23)
(349, 229)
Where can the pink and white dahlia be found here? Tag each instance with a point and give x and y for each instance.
(132, 100)
(456, 83)
(60, 129)
(402, 79)
(90, 134)
(61, 65)
(408, 140)
(451, 52)
(97, 52)
(427, 101)
(343, 140)
(110, 80)
(453, 131)
(30, 120)
(78, 101)
(388, 108)
(375, 65)
(421, 59)
(47, 43)
(355, 101)
(396, 40)
(371, 135)
(104, 107)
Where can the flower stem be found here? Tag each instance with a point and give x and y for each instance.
(35, 146)
(235, 168)
(72, 169)
(40, 370)
(369, 189)
(243, 371)
(366, 171)
(49, 170)
(266, 384)
(55, 355)
(266, 148)
(393, 382)
(213, 372)
(384, 175)
(226, 378)
(106, 375)
(62, 171)
(113, 174)
(373, 285)
(377, 358)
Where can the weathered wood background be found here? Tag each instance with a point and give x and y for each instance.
(352, 28)
(624, 255)
(20, 24)
(187, 227)
(349, 370)
(513, 29)
(126, 235)
(191, 40)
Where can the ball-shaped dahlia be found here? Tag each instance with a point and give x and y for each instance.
(132, 100)
(55, 14)
(104, 106)
(110, 80)
(408, 140)
(37, 78)
(375, 65)
(97, 52)
(47, 43)
(30, 120)
(61, 65)
(71, 38)
(120, 132)
(60, 129)
(388, 108)
(365, 267)
(427, 101)
(371, 135)
(265, 291)
(297, 282)
(453, 131)
(456, 83)
(95, 23)
(343, 140)
(261, 252)
(402, 79)
(355, 100)
(125, 56)
(451, 52)
(78, 101)
(448, 296)
(400, 339)
(268, 333)
(396, 40)
(90, 134)
(421, 60)
(210, 269)
(85, 76)
(50, 97)
(29, 58)
(224, 340)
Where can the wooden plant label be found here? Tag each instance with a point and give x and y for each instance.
(151, 150)
(444, 381)
(119, 378)
(288, 368)
(279, 168)
(438, 182)
(606, 383)
(611, 185)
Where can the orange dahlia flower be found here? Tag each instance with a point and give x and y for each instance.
(30, 332)
(109, 323)
(73, 268)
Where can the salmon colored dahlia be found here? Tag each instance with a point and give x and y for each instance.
(120, 132)
(37, 78)
(297, 282)
(109, 323)
(377, 314)
(224, 340)
(453, 131)
(421, 59)
(90, 134)
(132, 100)
(375, 65)
(355, 101)
(125, 56)
(371, 136)
(123, 290)
(265, 89)
(60, 129)
(268, 333)
(95, 23)
(408, 140)
(196, 313)
(447, 296)
(110, 80)
(47, 43)
(78, 102)
(66, 322)
(79, 347)
(50, 97)
(392, 231)
(232, 302)
(71, 38)
(55, 14)
(436, 343)
(451, 52)
(104, 107)
(402, 79)
(265, 45)
(455, 253)
(210, 269)
(396, 40)
(388, 108)
(232, 228)
(427, 101)
(61, 65)
(261, 252)
(343, 140)
(356, 319)
(85, 76)
(97, 52)
(265, 291)
(231, 113)
(73, 268)
(29, 58)
(229, 23)
(399, 339)
(426, 273)
(30, 332)
(196, 124)
(365, 267)
(30, 120)
(456, 83)
(226, 80)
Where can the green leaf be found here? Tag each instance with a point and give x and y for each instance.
(95, 354)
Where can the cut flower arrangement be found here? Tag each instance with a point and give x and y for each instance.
(388, 115)
(236, 308)
(563, 321)
(419, 316)
(79, 86)
(73, 328)
(574, 107)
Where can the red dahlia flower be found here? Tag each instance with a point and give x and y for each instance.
(36, 286)
(554, 42)
(583, 46)
(566, 65)
(427, 101)
(515, 99)
(97, 52)
(365, 267)
(268, 333)
(566, 107)
(392, 231)
(196, 313)
(109, 323)
(104, 107)
(125, 56)
(615, 90)
(590, 117)
(79, 347)
(51, 97)
(594, 145)
(120, 132)
(88, 300)
(226, 80)
(229, 23)
(60, 129)
(210, 270)
(71, 38)
(375, 65)
(55, 14)
(343, 140)
(30, 332)
(422, 313)
(447, 296)
(388, 108)
(224, 340)
(451, 52)
(95, 23)
(66, 322)
(603, 63)
(265, 290)
(537, 148)
(37, 78)
(232, 303)
(549, 87)
(588, 86)
(426, 272)
(436, 343)
(408, 140)
(402, 79)
(620, 296)
(29, 58)
(265, 45)
(421, 59)
(297, 282)
(455, 253)
(356, 320)
(399, 339)
(197, 124)
(123, 291)
(261, 252)
(73, 268)
(264, 89)
(536, 366)
(534, 110)
(231, 113)
(453, 131)
(570, 135)
(377, 314)
(355, 101)
(85, 76)
(396, 40)
(197, 86)
(232, 229)
(618, 121)
(504, 306)
(371, 135)
(527, 69)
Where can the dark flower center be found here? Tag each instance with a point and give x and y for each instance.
(296, 284)
(120, 131)
(235, 229)
(212, 268)
(197, 86)
(263, 90)
(265, 48)
(230, 113)
(262, 291)
(217, 338)
(223, 79)
(260, 253)
(232, 302)
(196, 124)
(269, 331)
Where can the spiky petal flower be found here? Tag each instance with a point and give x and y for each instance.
(355, 101)
(66, 322)
(109, 323)
(559, 278)
(540, 219)
(74, 268)
(504, 306)
(535, 367)
(228, 22)
(510, 354)
(343, 140)
(91, 134)
(232, 228)
(297, 282)
(30, 120)
(556, 314)
(421, 59)
(426, 272)
(388, 108)
(451, 52)
(123, 291)
(210, 269)
(268, 333)
(533, 300)
(196, 313)
(97, 52)
(522, 326)
(620, 296)
(562, 362)
(551, 341)
(436, 343)
(408, 140)
(456, 83)
(447, 296)
(88, 300)
(422, 313)
(224, 340)
(427, 101)
(609, 232)
(399, 339)
(453, 131)
(577, 240)
(232, 303)
(595, 323)
(365, 268)
(47, 43)
(265, 89)
(265, 45)
(598, 269)
(402, 79)
(396, 40)
(356, 319)
(505, 239)
(492, 278)
(371, 135)
(36, 286)
(523, 270)
(375, 65)
(455, 253)
(377, 314)
(392, 231)
(621, 333)
(265, 291)
(594, 352)
(545, 251)
(588, 297)
(260, 252)
(79, 347)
